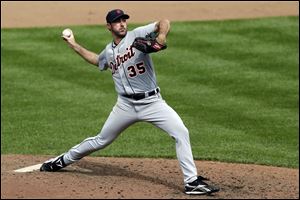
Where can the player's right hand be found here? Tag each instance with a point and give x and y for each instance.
(70, 40)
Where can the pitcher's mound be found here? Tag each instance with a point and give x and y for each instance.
(102, 177)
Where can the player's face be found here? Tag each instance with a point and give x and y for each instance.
(119, 28)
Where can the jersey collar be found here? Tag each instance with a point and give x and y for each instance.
(114, 45)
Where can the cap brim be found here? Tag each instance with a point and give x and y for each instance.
(124, 16)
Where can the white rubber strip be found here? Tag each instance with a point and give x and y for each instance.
(29, 169)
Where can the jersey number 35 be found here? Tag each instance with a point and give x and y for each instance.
(133, 71)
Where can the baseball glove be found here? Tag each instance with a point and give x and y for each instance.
(148, 44)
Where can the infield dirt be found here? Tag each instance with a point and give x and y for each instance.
(131, 178)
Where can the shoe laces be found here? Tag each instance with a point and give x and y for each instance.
(199, 181)
(201, 178)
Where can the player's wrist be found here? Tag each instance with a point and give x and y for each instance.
(76, 47)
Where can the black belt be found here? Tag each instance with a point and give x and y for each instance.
(139, 96)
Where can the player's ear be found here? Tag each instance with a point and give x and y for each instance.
(108, 25)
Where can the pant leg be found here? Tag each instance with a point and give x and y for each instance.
(163, 116)
(121, 117)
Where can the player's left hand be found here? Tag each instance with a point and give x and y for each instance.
(148, 44)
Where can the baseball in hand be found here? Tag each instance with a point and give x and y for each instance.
(67, 33)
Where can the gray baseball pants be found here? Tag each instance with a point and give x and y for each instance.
(127, 112)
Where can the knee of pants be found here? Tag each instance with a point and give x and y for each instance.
(181, 134)
(101, 143)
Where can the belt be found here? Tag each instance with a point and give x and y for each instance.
(139, 96)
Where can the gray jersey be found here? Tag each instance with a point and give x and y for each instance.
(132, 70)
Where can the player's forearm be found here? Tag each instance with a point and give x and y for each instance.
(89, 56)
(163, 27)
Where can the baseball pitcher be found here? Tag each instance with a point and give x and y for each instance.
(139, 98)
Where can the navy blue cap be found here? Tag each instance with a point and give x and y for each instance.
(113, 15)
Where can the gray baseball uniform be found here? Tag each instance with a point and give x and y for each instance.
(139, 99)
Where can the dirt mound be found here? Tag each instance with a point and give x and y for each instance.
(102, 177)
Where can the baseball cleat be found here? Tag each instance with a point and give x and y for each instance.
(200, 187)
(53, 164)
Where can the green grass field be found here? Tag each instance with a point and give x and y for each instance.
(234, 83)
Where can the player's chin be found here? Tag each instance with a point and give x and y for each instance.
(122, 33)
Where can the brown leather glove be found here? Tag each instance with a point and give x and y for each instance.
(148, 44)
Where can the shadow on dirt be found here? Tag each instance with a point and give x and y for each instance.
(101, 169)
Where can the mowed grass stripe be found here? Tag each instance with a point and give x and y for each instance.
(234, 83)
